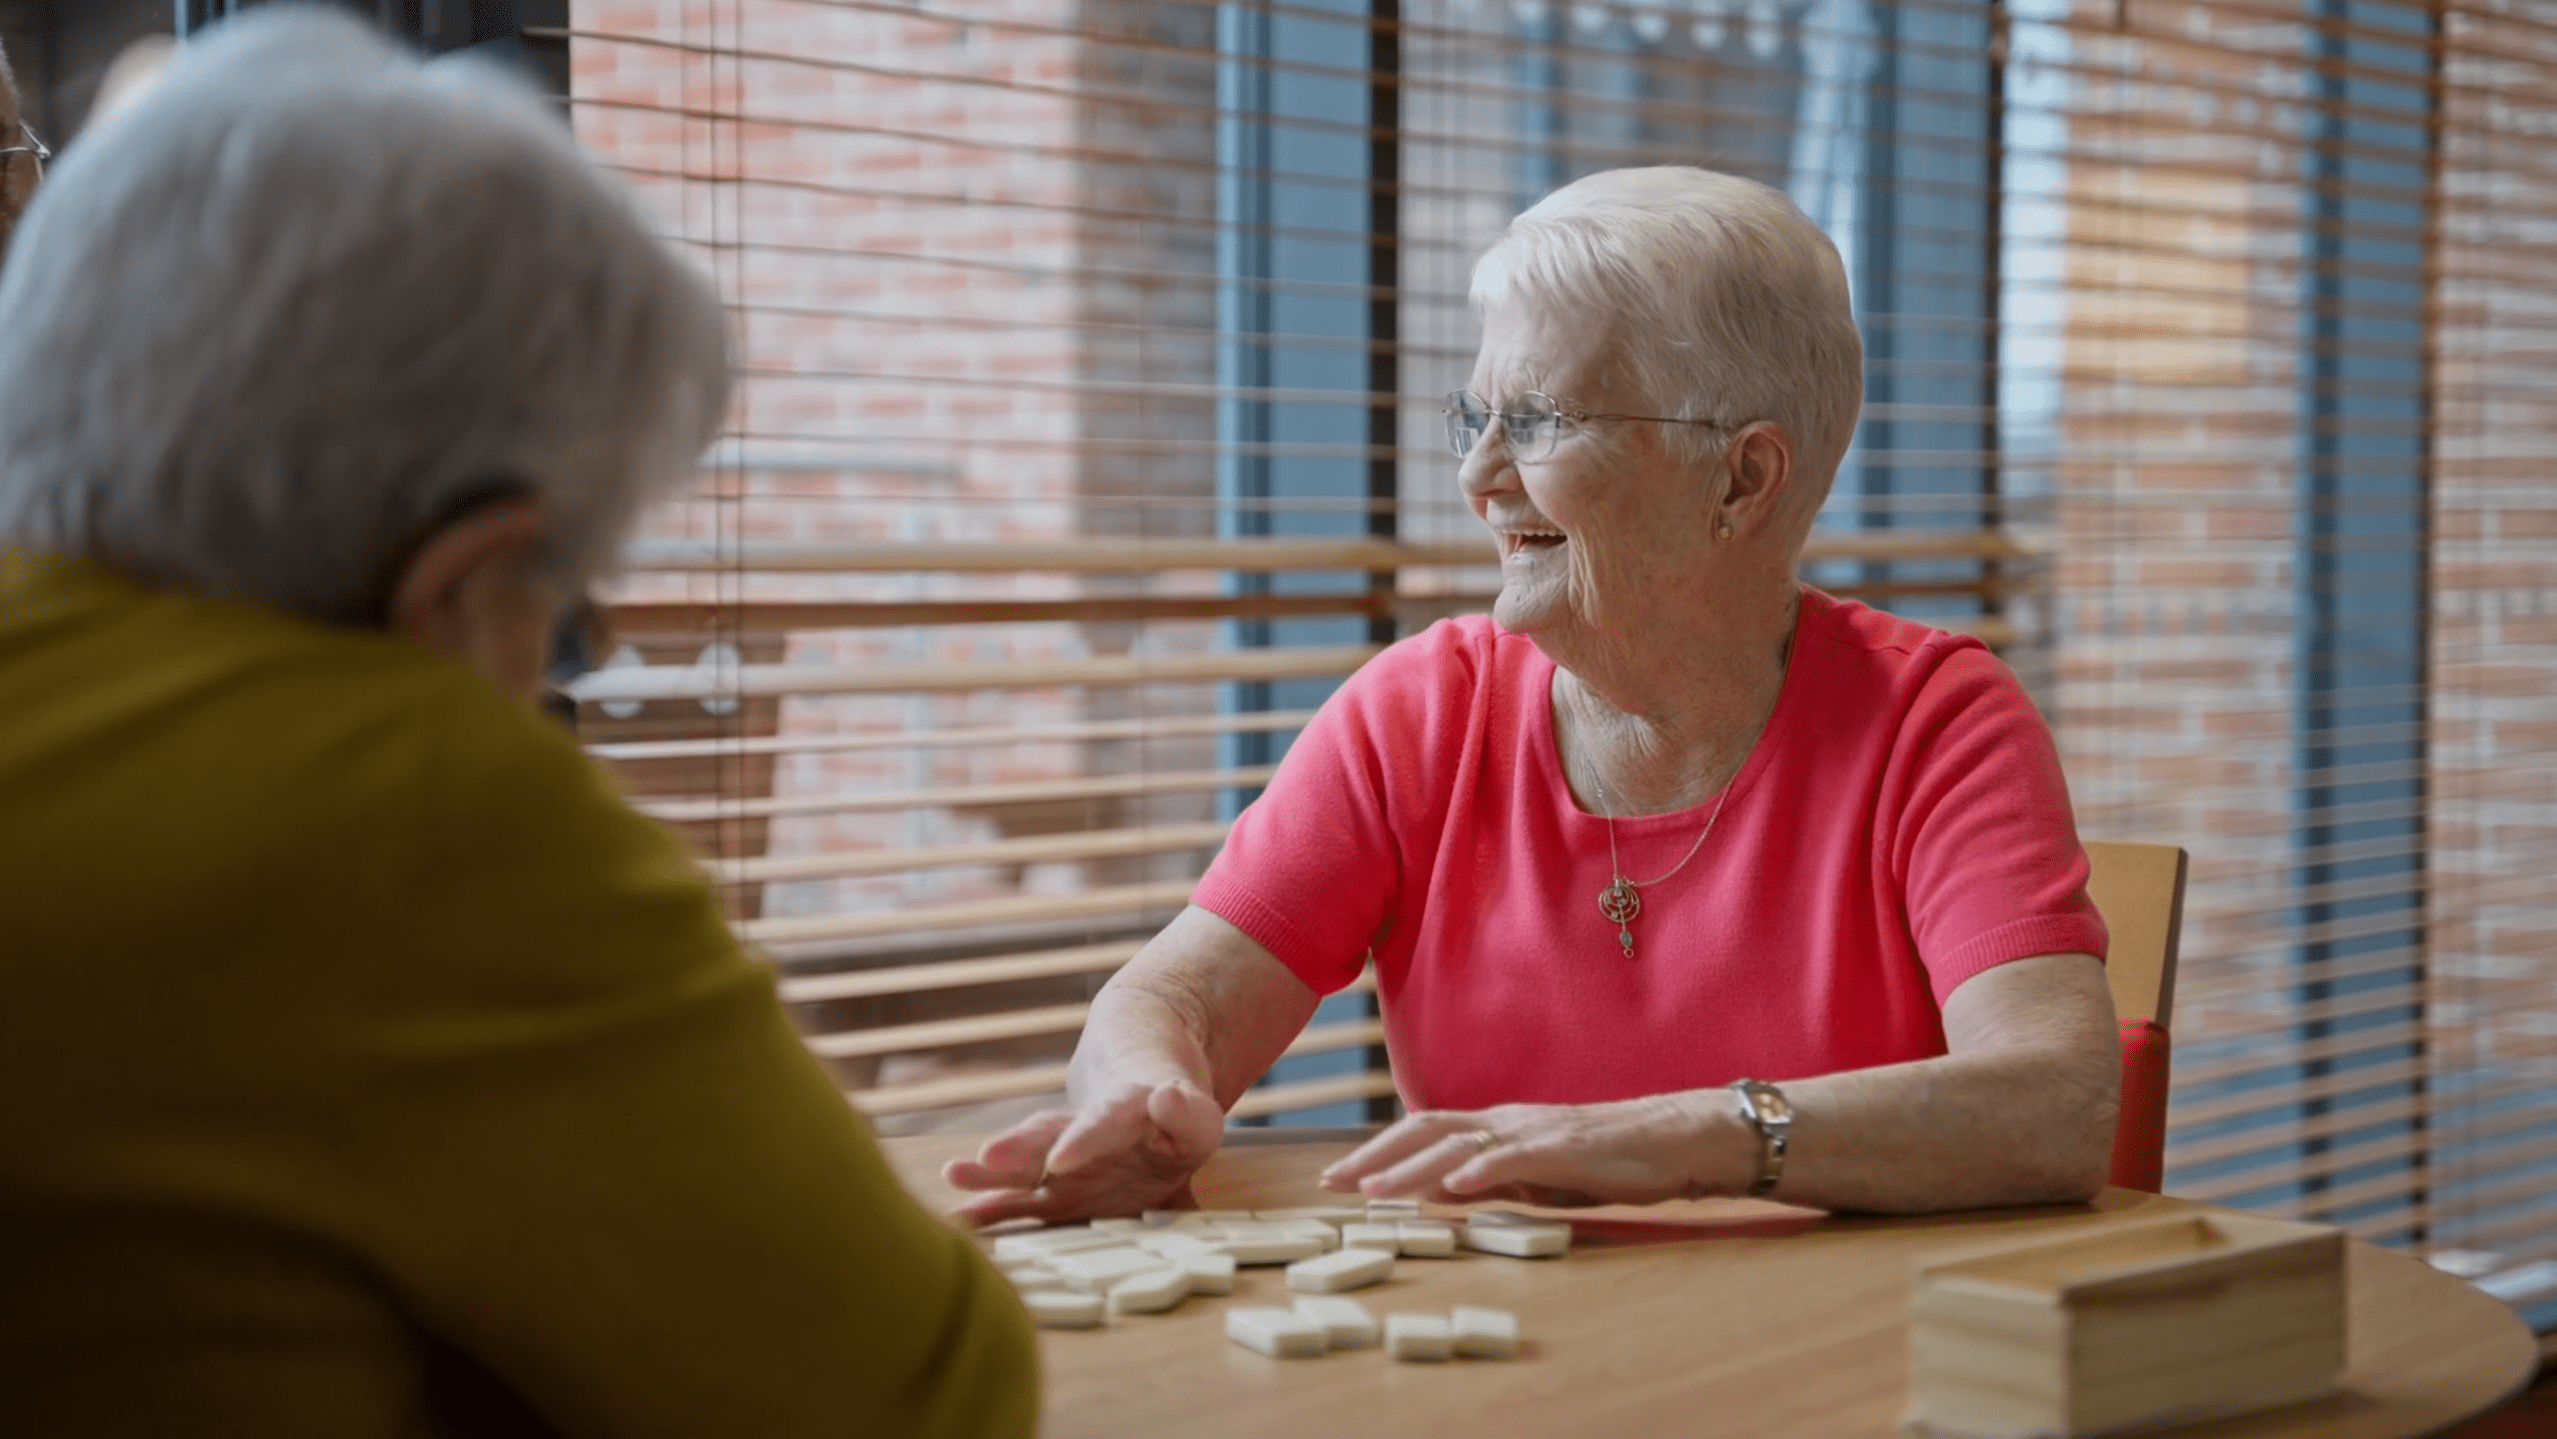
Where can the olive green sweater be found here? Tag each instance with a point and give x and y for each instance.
(368, 1067)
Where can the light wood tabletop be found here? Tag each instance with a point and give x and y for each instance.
(1723, 1318)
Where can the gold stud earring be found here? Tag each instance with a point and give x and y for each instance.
(1726, 532)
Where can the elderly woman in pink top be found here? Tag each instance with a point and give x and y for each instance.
(1680, 877)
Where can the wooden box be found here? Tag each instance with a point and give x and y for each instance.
(2130, 1325)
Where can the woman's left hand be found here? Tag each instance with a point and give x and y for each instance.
(1636, 1151)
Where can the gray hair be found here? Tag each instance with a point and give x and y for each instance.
(309, 298)
(1728, 304)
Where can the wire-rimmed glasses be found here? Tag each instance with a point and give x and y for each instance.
(1531, 423)
(33, 146)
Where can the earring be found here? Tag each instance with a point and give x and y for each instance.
(1726, 532)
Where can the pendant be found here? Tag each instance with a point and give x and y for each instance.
(1621, 902)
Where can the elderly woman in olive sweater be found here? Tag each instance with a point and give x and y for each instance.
(367, 1066)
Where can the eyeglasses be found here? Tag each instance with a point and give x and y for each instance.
(34, 147)
(1531, 424)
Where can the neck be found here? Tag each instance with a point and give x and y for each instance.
(1650, 725)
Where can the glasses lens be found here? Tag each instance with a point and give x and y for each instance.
(1467, 417)
(1530, 422)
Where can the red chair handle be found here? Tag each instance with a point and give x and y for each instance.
(2139, 1141)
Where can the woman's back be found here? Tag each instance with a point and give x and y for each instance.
(364, 1056)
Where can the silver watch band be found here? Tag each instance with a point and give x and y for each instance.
(1771, 1114)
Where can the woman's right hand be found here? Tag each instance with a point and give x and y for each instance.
(1127, 1148)
(1200, 1011)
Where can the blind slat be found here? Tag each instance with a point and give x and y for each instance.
(667, 682)
(1085, 844)
(1063, 791)
(2204, 350)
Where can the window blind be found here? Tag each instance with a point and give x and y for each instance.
(1090, 435)
(2283, 401)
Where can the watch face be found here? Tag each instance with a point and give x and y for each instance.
(1771, 1105)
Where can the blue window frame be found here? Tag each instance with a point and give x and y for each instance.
(1307, 265)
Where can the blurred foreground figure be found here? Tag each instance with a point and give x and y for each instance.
(22, 155)
(367, 1067)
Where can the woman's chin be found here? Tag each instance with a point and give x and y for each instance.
(1526, 609)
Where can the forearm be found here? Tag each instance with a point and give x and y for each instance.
(2021, 1111)
(1137, 1033)
(2005, 1126)
(1201, 1003)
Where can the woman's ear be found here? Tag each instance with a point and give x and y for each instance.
(434, 593)
(1759, 473)
(474, 590)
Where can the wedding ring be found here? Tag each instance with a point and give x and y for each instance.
(1483, 1140)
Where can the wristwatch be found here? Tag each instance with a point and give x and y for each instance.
(1768, 1112)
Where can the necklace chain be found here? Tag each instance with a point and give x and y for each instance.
(1618, 865)
(1621, 901)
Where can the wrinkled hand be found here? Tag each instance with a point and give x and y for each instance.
(1636, 1151)
(1130, 1147)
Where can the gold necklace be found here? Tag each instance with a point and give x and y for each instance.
(1621, 901)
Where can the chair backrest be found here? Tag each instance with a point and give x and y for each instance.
(2139, 889)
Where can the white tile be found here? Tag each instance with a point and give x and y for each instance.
(1095, 1272)
(1342, 1269)
(1150, 1292)
(1063, 1309)
(1484, 1333)
(1426, 1239)
(1346, 1322)
(1423, 1337)
(1279, 1333)
(1209, 1273)
(1387, 1237)
(1173, 1243)
(1267, 1247)
(1516, 1236)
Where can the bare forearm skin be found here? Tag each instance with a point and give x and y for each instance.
(1202, 1002)
(2022, 1113)
(1962, 1132)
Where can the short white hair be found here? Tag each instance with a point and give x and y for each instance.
(310, 298)
(1725, 301)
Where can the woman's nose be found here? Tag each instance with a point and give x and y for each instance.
(1486, 468)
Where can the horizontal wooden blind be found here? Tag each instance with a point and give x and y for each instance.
(1090, 435)
(2284, 378)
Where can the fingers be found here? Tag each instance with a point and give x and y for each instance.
(1408, 1136)
(1424, 1173)
(1115, 1125)
(1002, 1204)
(1190, 1119)
(1514, 1167)
(1014, 1159)
(1131, 1148)
(1120, 1191)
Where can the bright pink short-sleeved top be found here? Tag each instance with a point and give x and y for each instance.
(1901, 826)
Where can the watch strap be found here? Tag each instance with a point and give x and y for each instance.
(1767, 1111)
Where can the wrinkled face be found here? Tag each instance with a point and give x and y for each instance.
(1610, 533)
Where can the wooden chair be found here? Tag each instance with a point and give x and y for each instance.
(2139, 889)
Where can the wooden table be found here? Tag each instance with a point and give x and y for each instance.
(1726, 1318)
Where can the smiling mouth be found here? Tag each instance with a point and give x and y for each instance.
(1528, 542)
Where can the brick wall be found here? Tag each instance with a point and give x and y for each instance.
(983, 306)
(973, 288)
